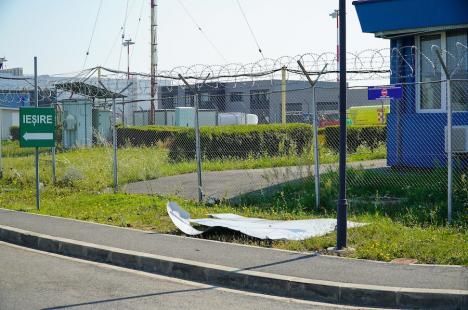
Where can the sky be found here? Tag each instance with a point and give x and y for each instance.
(58, 32)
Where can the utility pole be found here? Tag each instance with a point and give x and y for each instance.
(154, 61)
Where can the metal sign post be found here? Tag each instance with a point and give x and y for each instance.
(37, 129)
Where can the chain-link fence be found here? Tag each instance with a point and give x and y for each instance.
(258, 143)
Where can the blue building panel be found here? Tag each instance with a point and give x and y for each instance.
(14, 100)
(391, 15)
(418, 140)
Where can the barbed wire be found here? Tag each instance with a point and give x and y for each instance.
(376, 65)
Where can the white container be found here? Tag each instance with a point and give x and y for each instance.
(252, 119)
(185, 117)
(228, 119)
(237, 118)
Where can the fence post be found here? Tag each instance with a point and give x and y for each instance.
(449, 137)
(1, 141)
(36, 100)
(114, 144)
(316, 150)
(197, 136)
(283, 95)
(54, 176)
(198, 150)
(315, 127)
(449, 151)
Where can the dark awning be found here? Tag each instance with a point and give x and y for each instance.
(88, 90)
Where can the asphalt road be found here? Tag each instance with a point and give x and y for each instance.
(35, 280)
(233, 183)
(304, 265)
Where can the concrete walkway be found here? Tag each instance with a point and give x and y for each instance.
(206, 260)
(233, 183)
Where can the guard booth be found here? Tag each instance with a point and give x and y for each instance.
(416, 123)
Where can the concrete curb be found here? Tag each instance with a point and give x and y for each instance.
(247, 280)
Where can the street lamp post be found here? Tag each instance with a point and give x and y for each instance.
(127, 44)
(2, 62)
(336, 14)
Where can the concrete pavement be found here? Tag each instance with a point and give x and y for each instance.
(37, 280)
(200, 258)
(233, 183)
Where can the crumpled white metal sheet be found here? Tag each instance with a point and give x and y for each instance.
(255, 227)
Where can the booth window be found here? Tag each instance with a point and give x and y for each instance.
(432, 93)
(457, 63)
(429, 74)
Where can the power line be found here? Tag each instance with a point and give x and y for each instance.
(125, 20)
(250, 28)
(92, 33)
(113, 46)
(124, 25)
(138, 24)
(201, 30)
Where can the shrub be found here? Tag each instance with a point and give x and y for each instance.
(244, 141)
(223, 141)
(147, 135)
(14, 132)
(368, 136)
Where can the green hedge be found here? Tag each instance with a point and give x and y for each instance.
(368, 136)
(147, 135)
(223, 141)
(14, 133)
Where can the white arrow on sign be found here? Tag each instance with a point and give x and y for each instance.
(38, 136)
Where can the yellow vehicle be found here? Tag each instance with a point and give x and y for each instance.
(368, 115)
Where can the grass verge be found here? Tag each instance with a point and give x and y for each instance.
(382, 239)
(91, 168)
(412, 228)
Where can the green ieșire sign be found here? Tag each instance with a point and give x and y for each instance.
(37, 127)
